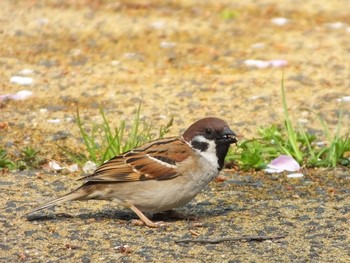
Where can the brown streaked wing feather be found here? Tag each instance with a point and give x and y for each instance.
(153, 161)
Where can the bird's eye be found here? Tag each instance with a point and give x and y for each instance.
(208, 132)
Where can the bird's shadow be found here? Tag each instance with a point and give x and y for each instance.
(190, 212)
(107, 214)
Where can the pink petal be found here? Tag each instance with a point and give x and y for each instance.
(257, 63)
(284, 163)
(279, 21)
(21, 80)
(278, 63)
(21, 95)
(275, 63)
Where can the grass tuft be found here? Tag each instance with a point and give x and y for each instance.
(103, 142)
(5, 161)
(28, 159)
(286, 139)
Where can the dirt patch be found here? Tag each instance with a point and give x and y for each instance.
(185, 59)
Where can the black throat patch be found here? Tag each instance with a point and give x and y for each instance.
(202, 146)
(221, 151)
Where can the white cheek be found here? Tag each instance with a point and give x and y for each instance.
(210, 154)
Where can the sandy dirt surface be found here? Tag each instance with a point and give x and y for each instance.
(185, 59)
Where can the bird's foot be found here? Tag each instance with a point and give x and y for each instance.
(149, 223)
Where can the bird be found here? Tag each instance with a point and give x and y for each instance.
(160, 175)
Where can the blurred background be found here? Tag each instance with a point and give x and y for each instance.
(186, 59)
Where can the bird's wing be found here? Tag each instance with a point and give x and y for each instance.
(156, 160)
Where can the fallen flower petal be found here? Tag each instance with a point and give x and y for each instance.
(279, 21)
(54, 121)
(345, 99)
(21, 80)
(275, 63)
(295, 175)
(165, 44)
(256, 63)
(53, 165)
(20, 95)
(335, 25)
(258, 46)
(158, 25)
(282, 163)
(285, 162)
(73, 168)
(89, 167)
(26, 71)
(278, 63)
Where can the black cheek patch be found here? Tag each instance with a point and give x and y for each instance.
(202, 146)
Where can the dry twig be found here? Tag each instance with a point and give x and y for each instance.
(229, 239)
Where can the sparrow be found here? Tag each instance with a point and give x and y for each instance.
(160, 175)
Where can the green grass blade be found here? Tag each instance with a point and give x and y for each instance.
(135, 128)
(311, 151)
(88, 140)
(292, 137)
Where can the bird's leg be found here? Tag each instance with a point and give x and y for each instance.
(144, 218)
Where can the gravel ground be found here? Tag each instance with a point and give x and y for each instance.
(311, 213)
(185, 59)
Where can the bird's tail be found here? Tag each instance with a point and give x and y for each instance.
(77, 194)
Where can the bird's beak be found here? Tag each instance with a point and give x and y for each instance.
(229, 135)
